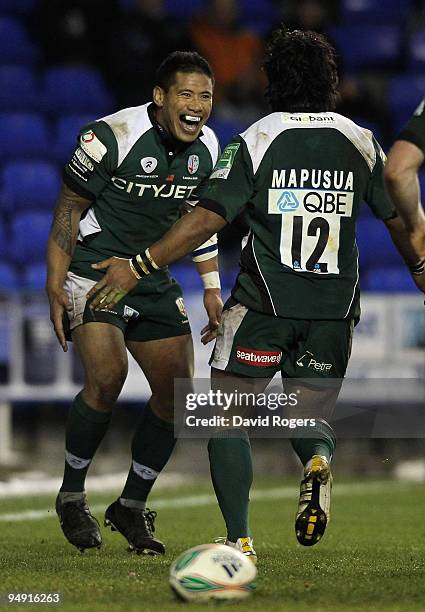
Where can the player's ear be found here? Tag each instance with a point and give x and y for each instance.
(158, 96)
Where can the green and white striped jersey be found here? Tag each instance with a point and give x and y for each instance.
(138, 180)
(302, 178)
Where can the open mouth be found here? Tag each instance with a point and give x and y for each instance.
(190, 123)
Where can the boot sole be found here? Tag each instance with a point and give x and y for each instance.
(311, 523)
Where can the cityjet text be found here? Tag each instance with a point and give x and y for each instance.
(158, 191)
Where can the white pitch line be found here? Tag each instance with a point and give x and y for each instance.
(192, 501)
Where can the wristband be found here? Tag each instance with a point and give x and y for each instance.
(133, 269)
(418, 268)
(211, 280)
(144, 264)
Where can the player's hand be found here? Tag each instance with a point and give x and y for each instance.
(214, 306)
(117, 282)
(59, 303)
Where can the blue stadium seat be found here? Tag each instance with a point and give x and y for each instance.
(66, 133)
(258, 16)
(8, 277)
(34, 277)
(388, 279)
(3, 240)
(416, 51)
(375, 245)
(70, 89)
(29, 232)
(404, 94)
(225, 129)
(368, 45)
(183, 9)
(29, 185)
(20, 7)
(23, 135)
(19, 90)
(186, 274)
(369, 10)
(15, 45)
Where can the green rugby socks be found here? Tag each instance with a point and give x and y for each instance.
(85, 431)
(231, 473)
(322, 441)
(153, 443)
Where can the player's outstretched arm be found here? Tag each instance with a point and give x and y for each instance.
(123, 274)
(403, 163)
(60, 247)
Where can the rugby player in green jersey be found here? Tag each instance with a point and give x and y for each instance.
(131, 176)
(301, 173)
(406, 157)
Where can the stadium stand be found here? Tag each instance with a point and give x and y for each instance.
(370, 10)
(70, 89)
(19, 88)
(29, 231)
(29, 185)
(23, 135)
(15, 44)
(42, 108)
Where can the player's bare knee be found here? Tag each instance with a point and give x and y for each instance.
(104, 388)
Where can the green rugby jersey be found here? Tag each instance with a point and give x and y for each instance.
(414, 130)
(302, 178)
(138, 181)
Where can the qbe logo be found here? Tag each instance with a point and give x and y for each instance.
(287, 202)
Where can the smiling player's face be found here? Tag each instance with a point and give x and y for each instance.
(186, 106)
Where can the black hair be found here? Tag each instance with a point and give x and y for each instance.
(181, 61)
(301, 70)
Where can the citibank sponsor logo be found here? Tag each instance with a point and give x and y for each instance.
(255, 357)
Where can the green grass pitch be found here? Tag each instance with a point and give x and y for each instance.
(372, 556)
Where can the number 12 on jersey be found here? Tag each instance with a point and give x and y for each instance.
(310, 243)
(310, 227)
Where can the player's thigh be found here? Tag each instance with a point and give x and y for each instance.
(315, 370)
(102, 351)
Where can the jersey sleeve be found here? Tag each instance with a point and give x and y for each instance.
(377, 196)
(231, 184)
(414, 130)
(93, 162)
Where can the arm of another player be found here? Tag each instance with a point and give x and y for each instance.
(183, 238)
(208, 271)
(60, 247)
(403, 163)
(402, 240)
